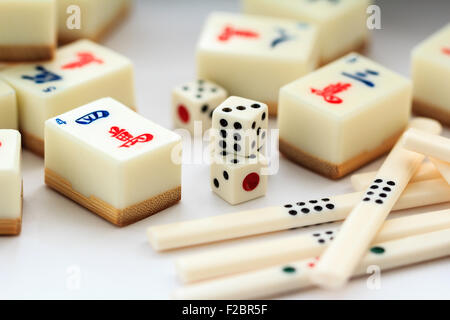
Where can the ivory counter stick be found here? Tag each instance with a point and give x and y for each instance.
(427, 171)
(432, 145)
(295, 276)
(443, 168)
(244, 258)
(365, 220)
(259, 221)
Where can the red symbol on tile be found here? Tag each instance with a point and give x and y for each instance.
(84, 59)
(312, 264)
(229, 32)
(446, 51)
(129, 139)
(183, 113)
(329, 92)
(251, 181)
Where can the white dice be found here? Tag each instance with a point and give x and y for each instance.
(196, 101)
(342, 24)
(80, 73)
(253, 56)
(238, 179)
(343, 115)
(239, 127)
(96, 18)
(431, 76)
(10, 182)
(27, 30)
(8, 107)
(113, 161)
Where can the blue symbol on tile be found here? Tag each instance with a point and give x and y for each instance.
(352, 59)
(49, 89)
(362, 77)
(283, 37)
(43, 77)
(91, 117)
(60, 122)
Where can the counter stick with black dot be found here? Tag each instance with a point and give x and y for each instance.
(427, 171)
(295, 276)
(432, 145)
(365, 220)
(293, 215)
(262, 254)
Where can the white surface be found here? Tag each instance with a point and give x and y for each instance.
(61, 242)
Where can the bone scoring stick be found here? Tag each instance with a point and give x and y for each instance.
(296, 275)
(294, 215)
(262, 254)
(434, 146)
(427, 171)
(365, 220)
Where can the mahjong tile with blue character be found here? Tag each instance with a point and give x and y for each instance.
(342, 24)
(253, 56)
(113, 161)
(80, 73)
(343, 115)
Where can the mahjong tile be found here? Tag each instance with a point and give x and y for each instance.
(81, 72)
(253, 56)
(343, 115)
(341, 23)
(431, 76)
(113, 161)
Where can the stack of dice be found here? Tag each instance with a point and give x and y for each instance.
(239, 128)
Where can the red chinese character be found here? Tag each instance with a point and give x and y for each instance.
(446, 51)
(230, 32)
(329, 92)
(84, 59)
(129, 139)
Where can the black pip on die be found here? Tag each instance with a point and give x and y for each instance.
(196, 101)
(240, 127)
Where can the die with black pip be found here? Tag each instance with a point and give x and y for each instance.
(239, 131)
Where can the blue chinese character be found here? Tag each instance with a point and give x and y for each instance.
(49, 89)
(91, 117)
(361, 76)
(283, 37)
(60, 122)
(43, 77)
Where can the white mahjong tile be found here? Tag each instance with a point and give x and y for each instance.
(341, 23)
(96, 19)
(238, 179)
(344, 109)
(196, 101)
(10, 175)
(81, 72)
(109, 151)
(28, 23)
(253, 56)
(8, 107)
(431, 75)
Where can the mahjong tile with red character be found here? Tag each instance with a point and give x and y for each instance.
(343, 115)
(252, 56)
(238, 179)
(342, 24)
(10, 182)
(193, 104)
(431, 76)
(80, 73)
(113, 161)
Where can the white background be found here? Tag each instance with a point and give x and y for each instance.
(61, 241)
